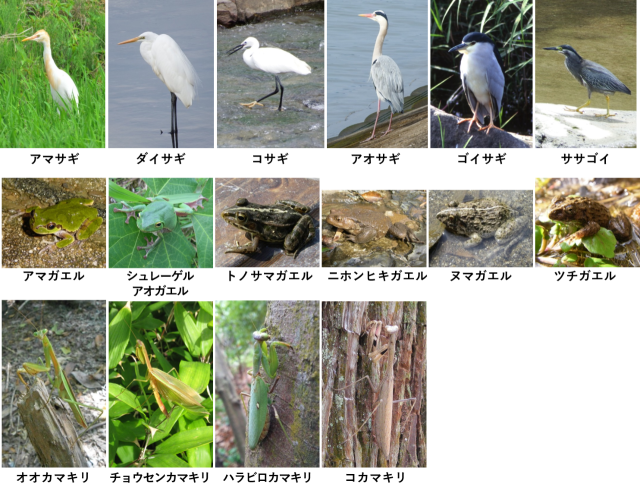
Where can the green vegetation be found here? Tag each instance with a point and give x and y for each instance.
(77, 31)
(180, 336)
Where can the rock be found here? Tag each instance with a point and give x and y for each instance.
(227, 13)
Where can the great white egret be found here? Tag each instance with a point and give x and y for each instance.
(272, 60)
(63, 90)
(386, 76)
(172, 67)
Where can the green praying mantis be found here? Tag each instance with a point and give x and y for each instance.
(260, 403)
(60, 381)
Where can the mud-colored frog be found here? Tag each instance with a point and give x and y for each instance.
(481, 218)
(364, 224)
(592, 215)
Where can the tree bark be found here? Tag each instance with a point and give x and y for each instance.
(228, 393)
(295, 398)
(50, 430)
(351, 407)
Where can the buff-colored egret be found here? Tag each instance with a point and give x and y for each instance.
(63, 90)
(385, 74)
(172, 67)
(271, 60)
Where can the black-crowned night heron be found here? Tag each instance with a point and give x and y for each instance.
(482, 78)
(591, 75)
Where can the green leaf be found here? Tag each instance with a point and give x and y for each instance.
(195, 374)
(185, 440)
(571, 258)
(602, 243)
(598, 262)
(166, 460)
(188, 329)
(119, 329)
(539, 237)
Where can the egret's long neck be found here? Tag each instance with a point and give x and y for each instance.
(377, 49)
(49, 65)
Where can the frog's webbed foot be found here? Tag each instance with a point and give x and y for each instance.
(250, 247)
(474, 241)
(150, 246)
(131, 212)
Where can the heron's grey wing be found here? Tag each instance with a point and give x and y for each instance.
(387, 80)
(471, 99)
(495, 80)
(601, 79)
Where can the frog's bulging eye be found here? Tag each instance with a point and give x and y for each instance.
(242, 217)
(51, 226)
(158, 225)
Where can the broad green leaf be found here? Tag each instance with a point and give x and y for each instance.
(185, 440)
(119, 335)
(598, 262)
(603, 243)
(166, 460)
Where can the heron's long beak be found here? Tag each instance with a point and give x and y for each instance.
(29, 38)
(367, 15)
(235, 48)
(132, 40)
(554, 48)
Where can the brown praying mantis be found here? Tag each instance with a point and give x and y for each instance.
(164, 385)
(382, 411)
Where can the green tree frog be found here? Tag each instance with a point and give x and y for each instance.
(158, 217)
(69, 220)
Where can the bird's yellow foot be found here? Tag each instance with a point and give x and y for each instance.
(607, 115)
(251, 105)
(576, 110)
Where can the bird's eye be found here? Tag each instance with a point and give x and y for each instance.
(472, 43)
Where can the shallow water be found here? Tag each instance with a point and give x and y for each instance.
(301, 121)
(139, 103)
(351, 96)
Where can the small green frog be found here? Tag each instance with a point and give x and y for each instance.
(69, 220)
(158, 217)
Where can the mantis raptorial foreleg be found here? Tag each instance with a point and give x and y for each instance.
(59, 381)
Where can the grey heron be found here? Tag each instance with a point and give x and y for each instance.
(272, 60)
(386, 76)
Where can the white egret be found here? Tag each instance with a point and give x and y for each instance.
(386, 76)
(172, 67)
(63, 90)
(272, 60)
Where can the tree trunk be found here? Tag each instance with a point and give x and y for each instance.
(295, 398)
(351, 407)
(228, 393)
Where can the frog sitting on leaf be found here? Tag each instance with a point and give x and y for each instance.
(161, 215)
(69, 220)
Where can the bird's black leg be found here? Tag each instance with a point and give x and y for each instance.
(272, 93)
(281, 92)
(174, 122)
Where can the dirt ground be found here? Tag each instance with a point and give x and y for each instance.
(77, 331)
